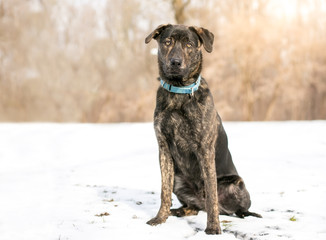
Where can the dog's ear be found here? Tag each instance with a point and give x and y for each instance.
(156, 32)
(205, 37)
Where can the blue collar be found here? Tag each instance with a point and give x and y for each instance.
(190, 89)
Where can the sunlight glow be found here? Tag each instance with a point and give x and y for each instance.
(292, 8)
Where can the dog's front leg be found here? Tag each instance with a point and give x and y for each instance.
(208, 170)
(167, 178)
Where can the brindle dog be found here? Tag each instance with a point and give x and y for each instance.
(194, 157)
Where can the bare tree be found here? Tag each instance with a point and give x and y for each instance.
(67, 62)
(179, 10)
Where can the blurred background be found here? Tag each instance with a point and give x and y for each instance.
(86, 60)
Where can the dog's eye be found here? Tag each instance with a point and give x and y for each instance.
(167, 42)
(189, 45)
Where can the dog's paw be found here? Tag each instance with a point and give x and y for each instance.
(177, 212)
(213, 231)
(157, 220)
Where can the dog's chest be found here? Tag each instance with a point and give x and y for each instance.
(187, 130)
(180, 125)
(181, 134)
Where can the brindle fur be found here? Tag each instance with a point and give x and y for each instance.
(195, 161)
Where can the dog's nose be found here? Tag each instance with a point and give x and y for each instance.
(176, 62)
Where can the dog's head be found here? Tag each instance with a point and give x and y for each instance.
(179, 52)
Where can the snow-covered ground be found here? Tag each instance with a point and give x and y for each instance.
(84, 181)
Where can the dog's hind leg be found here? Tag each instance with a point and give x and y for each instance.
(234, 197)
(189, 195)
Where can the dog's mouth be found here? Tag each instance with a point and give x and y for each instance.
(175, 71)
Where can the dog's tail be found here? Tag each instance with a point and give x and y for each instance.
(241, 214)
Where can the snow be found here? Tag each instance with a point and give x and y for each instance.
(58, 181)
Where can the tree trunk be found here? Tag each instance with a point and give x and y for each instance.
(178, 8)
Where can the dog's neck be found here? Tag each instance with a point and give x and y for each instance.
(179, 81)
